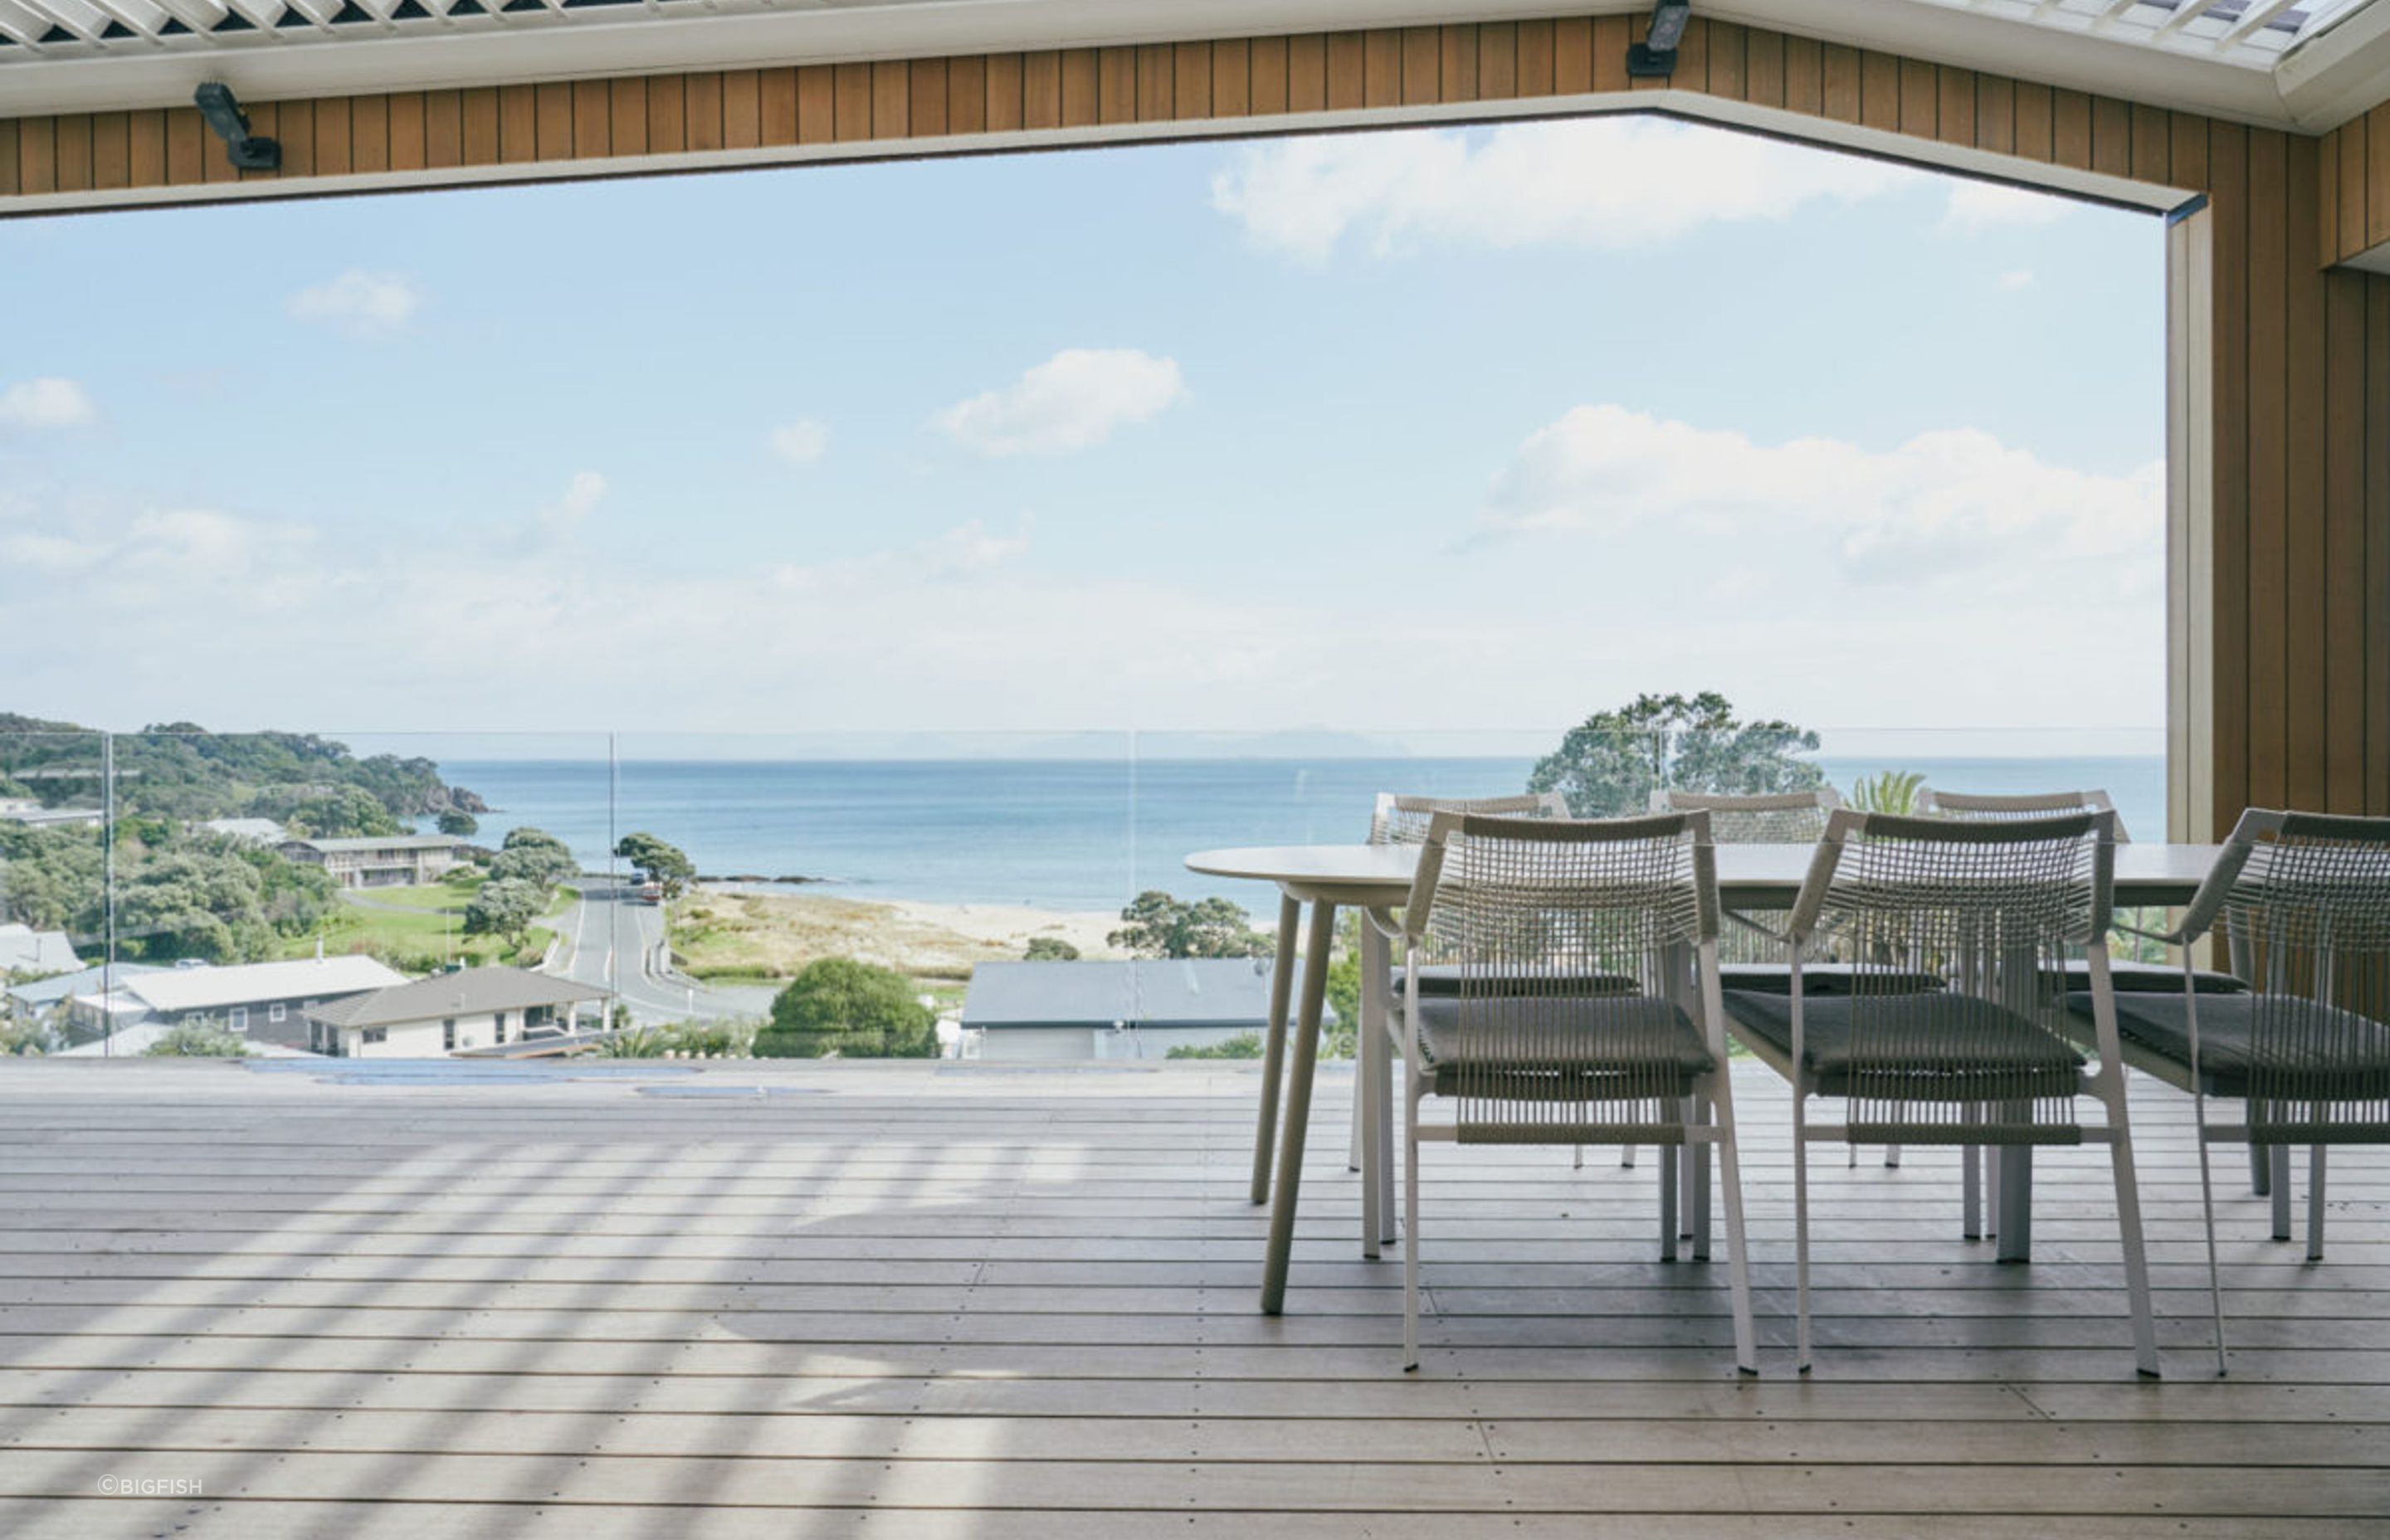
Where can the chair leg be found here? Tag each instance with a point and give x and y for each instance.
(2207, 1214)
(1729, 1160)
(2261, 1171)
(1689, 1112)
(1892, 1157)
(2277, 1188)
(1625, 1156)
(1410, 1230)
(1670, 1166)
(2315, 1202)
(2137, 1257)
(1970, 1189)
(1800, 1237)
(1697, 1201)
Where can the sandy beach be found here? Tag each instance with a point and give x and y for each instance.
(720, 931)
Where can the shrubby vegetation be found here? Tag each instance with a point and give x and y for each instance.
(1245, 1044)
(733, 1039)
(180, 770)
(179, 894)
(838, 1007)
(197, 1040)
(1050, 949)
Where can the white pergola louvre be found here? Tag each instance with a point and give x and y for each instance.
(2298, 63)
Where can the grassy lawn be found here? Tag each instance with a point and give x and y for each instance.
(420, 929)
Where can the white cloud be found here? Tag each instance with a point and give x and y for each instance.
(1074, 400)
(359, 305)
(1986, 205)
(2012, 280)
(802, 441)
(568, 513)
(1606, 184)
(48, 402)
(1944, 505)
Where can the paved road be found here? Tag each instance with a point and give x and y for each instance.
(613, 941)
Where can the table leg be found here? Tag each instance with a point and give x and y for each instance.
(1376, 1085)
(2015, 1201)
(1368, 1079)
(1298, 1109)
(1290, 914)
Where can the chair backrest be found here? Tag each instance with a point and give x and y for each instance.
(1402, 820)
(1993, 907)
(1935, 802)
(2305, 898)
(1576, 941)
(1780, 818)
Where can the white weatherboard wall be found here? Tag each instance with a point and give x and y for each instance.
(427, 1039)
(1082, 1045)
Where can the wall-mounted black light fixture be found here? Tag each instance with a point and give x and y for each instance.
(1656, 55)
(245, 150)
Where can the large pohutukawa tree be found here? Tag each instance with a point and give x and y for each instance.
(1609, 766)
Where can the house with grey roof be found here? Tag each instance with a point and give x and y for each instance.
(266, 1001)
(1066, 1011)
(469, 1007)
(380, 860)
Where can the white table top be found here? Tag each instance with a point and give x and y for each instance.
(1750, 876)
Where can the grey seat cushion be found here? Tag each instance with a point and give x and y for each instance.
(2161, 1024)
(1924, 1028)
(2143, 978)
(1574, 1044)
(1444, 981)
(1823, 979)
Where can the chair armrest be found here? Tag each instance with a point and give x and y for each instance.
(1383, 920)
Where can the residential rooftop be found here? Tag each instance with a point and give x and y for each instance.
(467, 991)
(182, 989)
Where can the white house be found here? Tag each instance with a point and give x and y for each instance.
(26, 950)
(472, 1008)
(1063, 1011)
(260, 1000)
(378, 861)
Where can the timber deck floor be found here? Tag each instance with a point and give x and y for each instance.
(900, 1299)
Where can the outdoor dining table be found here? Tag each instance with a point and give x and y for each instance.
(1328, 877)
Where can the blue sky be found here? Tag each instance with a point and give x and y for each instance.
(1441, 429)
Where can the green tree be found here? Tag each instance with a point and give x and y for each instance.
(1610, 764)
(657, 861)
(347, 813)
(1050, 949)
(53, 878)
(535, 856)
(187, 902)
(456, 821)
(837, 1005)
(1157, 925)
(504, 906)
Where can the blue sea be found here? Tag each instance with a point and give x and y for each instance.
(1069, 834)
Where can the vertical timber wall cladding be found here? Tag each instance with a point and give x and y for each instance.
(2280, 536)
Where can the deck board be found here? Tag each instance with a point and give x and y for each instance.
(1000, 1304)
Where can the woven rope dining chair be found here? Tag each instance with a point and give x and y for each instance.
(2303, 900)
(1403, 819)
(2126, 975)
(1748, 956)
(1951, 1032)
(1587, 1008)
